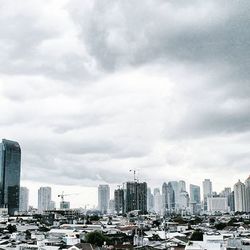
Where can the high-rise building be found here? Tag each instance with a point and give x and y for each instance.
(150, 200)
(167, 198)
(182, 186)
(207, 191)
(183, 201)
(44, 199)
(119, 201)
(195, 194)
(103, 198)
(175, 186)
(239, 197)
(157, 201)
(10, 168)
(247, 184)
(24, 199)
(231, 203)
(136, 196)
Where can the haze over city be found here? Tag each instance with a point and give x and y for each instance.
(92, 89)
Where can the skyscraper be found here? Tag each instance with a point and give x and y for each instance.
(10, 168)
(44, 199)
(207, 191)
(239, 197)
(136, 196)
(157, 201)
(175, 186)
(24, 199)
(247, 184)
(119, 201)
(195, 194)
(103, 198)
(150, 200)
(167, 197)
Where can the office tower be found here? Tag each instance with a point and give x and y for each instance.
(10, 167)
(156, 191)
(119, 201)
(103, 198)
(158, 202)
(195, 199)
(136, 196)
(207, 191)
(183, 200)
(239, 197)
(150, 200)
(175, 186)
(111, 209)
(247, 184)
(231, 203)
(195, 194)
(44, 199)
(167, 198)
(24, 199)
(227, 193)
(182, 186)
(217, 204)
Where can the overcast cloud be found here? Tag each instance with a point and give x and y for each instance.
(92, 89)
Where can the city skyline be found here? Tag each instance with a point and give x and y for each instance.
(192, 194)
(93, 89)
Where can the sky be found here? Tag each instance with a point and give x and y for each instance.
(92, 89)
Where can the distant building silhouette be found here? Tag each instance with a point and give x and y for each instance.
(103, 198)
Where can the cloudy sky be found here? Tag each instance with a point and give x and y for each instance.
(91, 89)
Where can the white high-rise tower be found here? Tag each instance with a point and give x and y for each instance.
(239, 197)
(44, 199)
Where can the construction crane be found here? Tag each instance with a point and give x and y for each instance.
(63, 194)
(134, 173)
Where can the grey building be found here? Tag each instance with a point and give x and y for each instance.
(136, 196)
(168, 200)
(103, 198)
(44, 199)
(195, 194)
(150, 200)
(119, 201)
(10, 168)
(24, 199)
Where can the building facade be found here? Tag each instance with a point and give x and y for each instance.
(103, 198)
(239, 197)
(119, 201)
(24, 199)
(247, 186)
(207, 192)
(10, 168)
(217, 204)
(44, 199)
(136, 196)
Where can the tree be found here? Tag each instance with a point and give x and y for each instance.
(96, 238)
(197, 235)
(11, 228)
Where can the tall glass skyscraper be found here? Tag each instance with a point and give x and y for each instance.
(10, 168)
